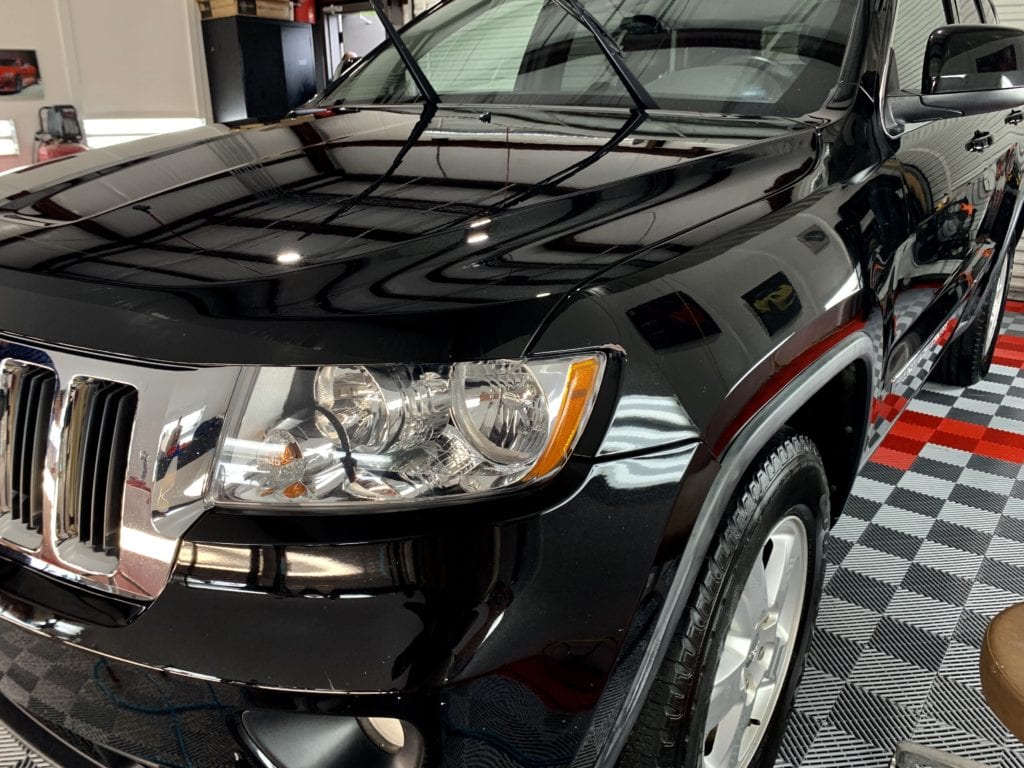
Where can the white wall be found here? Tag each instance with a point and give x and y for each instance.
(1011, 12)
(109, 58)
(136, 55)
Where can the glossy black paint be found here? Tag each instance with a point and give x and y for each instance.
(390, 625)
(723, 255)
(388, 271)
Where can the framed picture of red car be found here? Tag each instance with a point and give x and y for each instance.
(19, 75)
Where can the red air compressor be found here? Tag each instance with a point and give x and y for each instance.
(60, 133)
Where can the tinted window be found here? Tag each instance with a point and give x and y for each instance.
(915, 21)
(776, 57)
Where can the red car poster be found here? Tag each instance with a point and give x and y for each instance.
(19, 75)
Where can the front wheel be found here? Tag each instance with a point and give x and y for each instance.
(17, 85)
(726, 684)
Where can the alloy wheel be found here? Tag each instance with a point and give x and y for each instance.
(758, 649)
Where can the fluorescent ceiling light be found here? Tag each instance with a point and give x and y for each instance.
(99, 142)
(107, 131)
(141, 125)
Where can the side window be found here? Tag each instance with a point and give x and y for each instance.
(915, 21)
(969, 13)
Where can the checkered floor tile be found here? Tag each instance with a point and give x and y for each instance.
(14, 755)
(929, 549)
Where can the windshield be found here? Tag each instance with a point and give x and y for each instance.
(8, 62)
(770, 57)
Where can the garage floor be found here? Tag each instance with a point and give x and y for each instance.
(930, 547)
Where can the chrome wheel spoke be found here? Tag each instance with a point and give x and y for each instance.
(785, 558)
(753, 605)
(722, 743)
(728, 696)
(765, 695)
(785, 561)
(734, 656)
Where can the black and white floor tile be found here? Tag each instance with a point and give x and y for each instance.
(14, 755)
(930, 548)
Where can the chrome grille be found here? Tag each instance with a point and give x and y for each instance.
(26, 402)
(97, 435)
(89, 489)
(30, 427)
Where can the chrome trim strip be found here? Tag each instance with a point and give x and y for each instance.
(12, 376)
(10, 382)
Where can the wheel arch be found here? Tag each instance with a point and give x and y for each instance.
(798, 403)
(837, 419)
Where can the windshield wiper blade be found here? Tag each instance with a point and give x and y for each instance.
(316, 109)
(612, 52)
(422, 82)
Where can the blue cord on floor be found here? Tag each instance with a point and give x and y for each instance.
(169, 708)
(503, 746)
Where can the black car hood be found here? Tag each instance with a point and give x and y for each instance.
(368, 235)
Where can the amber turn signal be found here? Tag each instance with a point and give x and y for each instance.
(581, 389)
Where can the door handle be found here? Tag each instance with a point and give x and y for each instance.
(1014, 118)
(981, 141)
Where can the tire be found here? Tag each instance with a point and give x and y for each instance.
(17, 84)
(968, 358)
(786, 490)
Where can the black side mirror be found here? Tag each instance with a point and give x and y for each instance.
(969, 69)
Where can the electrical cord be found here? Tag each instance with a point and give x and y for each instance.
(343, 444)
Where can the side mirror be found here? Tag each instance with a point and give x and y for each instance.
(969, 69)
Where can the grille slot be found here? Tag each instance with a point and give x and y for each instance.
(98, 433)
(25, 409)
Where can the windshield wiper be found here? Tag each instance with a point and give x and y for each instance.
(422, 82)
(315, 109)
(612, 52)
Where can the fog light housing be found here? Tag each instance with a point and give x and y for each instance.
(386, 732)
(294, 740)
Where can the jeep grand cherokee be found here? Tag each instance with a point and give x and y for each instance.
(492, 409)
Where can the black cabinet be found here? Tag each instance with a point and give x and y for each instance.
(258, 68)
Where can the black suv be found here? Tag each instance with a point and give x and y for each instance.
(492, 409)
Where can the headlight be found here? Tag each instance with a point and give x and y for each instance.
(352, 433)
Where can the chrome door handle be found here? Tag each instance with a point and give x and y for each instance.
(981, 141)
(1014, 118)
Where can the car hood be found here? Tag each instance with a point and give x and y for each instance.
(362, 235)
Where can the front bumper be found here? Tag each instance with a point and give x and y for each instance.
(504, 634)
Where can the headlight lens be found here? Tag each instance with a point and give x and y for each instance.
(391, 433)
